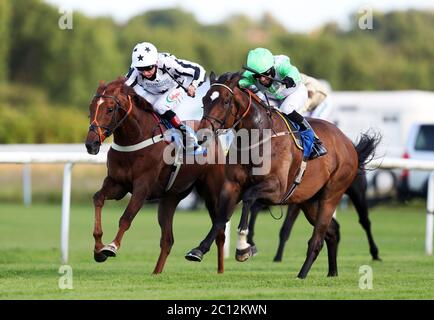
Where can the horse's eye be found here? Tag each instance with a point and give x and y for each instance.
(110, 110)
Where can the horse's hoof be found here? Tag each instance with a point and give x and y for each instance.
(254, 250)
(244, 254)
(277, 259)
(99, 256)
(109, 250)
(194, 255)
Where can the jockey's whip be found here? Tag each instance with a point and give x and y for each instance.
(262, 75)
(179, 83)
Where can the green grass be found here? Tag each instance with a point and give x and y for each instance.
(30, 258)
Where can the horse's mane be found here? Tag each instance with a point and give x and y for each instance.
(119, 86)
(229, 76)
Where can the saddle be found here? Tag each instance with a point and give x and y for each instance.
(292, 127)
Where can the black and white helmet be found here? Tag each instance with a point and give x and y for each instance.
(144, 54)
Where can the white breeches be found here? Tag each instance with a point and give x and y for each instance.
(296, 100)
(166, 101)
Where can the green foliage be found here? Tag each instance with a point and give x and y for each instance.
(26, 117)
(67, 64)
(5, 9)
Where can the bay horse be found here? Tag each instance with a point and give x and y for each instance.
(137, 166)
(325, 180)
(356, 193)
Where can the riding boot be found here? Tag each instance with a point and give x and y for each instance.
(317, 149)
(191, 143)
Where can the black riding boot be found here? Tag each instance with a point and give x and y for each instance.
(318, 148)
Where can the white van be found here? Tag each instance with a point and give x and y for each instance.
(392, 114)
(420, 146)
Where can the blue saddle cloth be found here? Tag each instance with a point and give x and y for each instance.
(307, 138)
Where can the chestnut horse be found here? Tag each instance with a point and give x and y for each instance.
(324, 183)
(137, 167)
(357, 194)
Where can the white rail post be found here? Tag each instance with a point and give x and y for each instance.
(227, 245)
(430, 215)
(27, 184)
(66, 200)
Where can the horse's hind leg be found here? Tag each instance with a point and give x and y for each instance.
(357, 194)
(285, 231)
(324, 213)
(109, 190)
(332, 240)
(166, 210)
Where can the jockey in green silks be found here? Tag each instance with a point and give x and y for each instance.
(279, 84)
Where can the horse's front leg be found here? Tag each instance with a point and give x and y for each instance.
(227, 200)
(138, 197)
(110, 190)
(254, 210)
(263, 190)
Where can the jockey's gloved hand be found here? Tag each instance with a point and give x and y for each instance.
(289, 82)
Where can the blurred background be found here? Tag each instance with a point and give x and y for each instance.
(377, 61)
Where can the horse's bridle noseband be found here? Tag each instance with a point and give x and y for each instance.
(96, 127)
(228, 112)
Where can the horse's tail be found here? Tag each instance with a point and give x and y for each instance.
(366, 148)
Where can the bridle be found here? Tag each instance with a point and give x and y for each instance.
(96, 127)
(229, 111)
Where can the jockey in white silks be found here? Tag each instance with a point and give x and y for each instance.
(162, 79)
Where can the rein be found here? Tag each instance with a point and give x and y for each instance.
(96, 127)
(237, 122)
(223, 123)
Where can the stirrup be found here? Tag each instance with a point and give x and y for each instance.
(318, 150)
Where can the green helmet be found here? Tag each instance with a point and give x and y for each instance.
(260, 60)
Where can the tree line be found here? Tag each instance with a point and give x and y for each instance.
(51, 74)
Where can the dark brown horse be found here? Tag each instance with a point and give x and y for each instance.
(357, 194)
(137, 166)
(324, 182)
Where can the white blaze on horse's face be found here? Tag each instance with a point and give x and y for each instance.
(214, 95)
(99, 102)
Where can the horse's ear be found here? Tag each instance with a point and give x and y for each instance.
(212, 77)
(101, 83)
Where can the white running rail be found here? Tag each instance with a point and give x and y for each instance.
(70, 158)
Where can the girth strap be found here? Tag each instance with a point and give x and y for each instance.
(138, 146)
